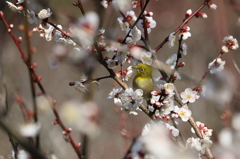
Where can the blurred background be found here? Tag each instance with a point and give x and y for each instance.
(204, 45)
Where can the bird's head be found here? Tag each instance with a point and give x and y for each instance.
(143, 70)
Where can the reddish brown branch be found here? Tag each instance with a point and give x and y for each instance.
(185, 21)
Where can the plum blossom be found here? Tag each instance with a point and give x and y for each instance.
(44, 13)
(172, 61)
(168, 107)
(159, 80)
(189, 96)
(81, 116)
(134, 35)
(184, 49)
(13, 7)
(204, 129)
(171, 40)
(217, 65)
(111, 63)
(185, 33)
(156, 142)
(150, 23)
(121, 55)
(31, 17)
(81, 87)
(131, 100)
(105, 3)
(174, 131)
(128, 74)
(184, 113)
(30, 129)
(23, 155)
(146, 57)
(230, 42)
(130, 18)
(188, 12)
(169, 88)
(86, 29)
(212, 6)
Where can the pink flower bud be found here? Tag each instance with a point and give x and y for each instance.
(181, 64)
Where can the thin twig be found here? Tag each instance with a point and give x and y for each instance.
(180, 26)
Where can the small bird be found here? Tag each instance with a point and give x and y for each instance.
(143, 80)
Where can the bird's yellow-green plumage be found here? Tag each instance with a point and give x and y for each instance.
(143, 80)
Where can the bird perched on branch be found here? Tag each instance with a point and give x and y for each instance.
(143, 80)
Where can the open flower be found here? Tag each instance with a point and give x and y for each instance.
(30, 129)
(216, 65)
(171, 39)
(146, 57)
(131, 100)
(184, 113)
(231, 43)
(172, 61)
(184, 49)
(189, 96)
(44, 13)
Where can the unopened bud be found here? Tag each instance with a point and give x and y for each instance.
(79, 145)
(71, 83)
(155, 93)
(75, 3)
(33, 49)
(55, 122)
(21, 27)
(39, 78)
(34, 65)
(120, 39)
(54, 102)
(11, 26)
(20, 39)
(69, 130)
(188, 13)
(181, 64)
(18, 99)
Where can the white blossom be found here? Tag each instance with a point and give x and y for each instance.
(146, 57)
(44, 13)
(184, 113)
(30, 129)
(86, 29)
(171, 39)
(216, 65)
(184, 49)
(169, 87)
(212, 6)
(174, 131)
(231, 42)
(104, 3)
(81, 87)
(23, 155)
(189, 96)
(131, 100)
(13, 7)
(129, 73)
(172, 61)
(31, 17)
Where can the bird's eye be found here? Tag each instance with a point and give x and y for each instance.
(141, 69)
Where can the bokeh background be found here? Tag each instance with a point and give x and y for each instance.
(203, 47)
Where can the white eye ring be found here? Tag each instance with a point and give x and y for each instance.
(141, 69)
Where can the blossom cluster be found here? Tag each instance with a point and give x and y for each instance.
(127, 100)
